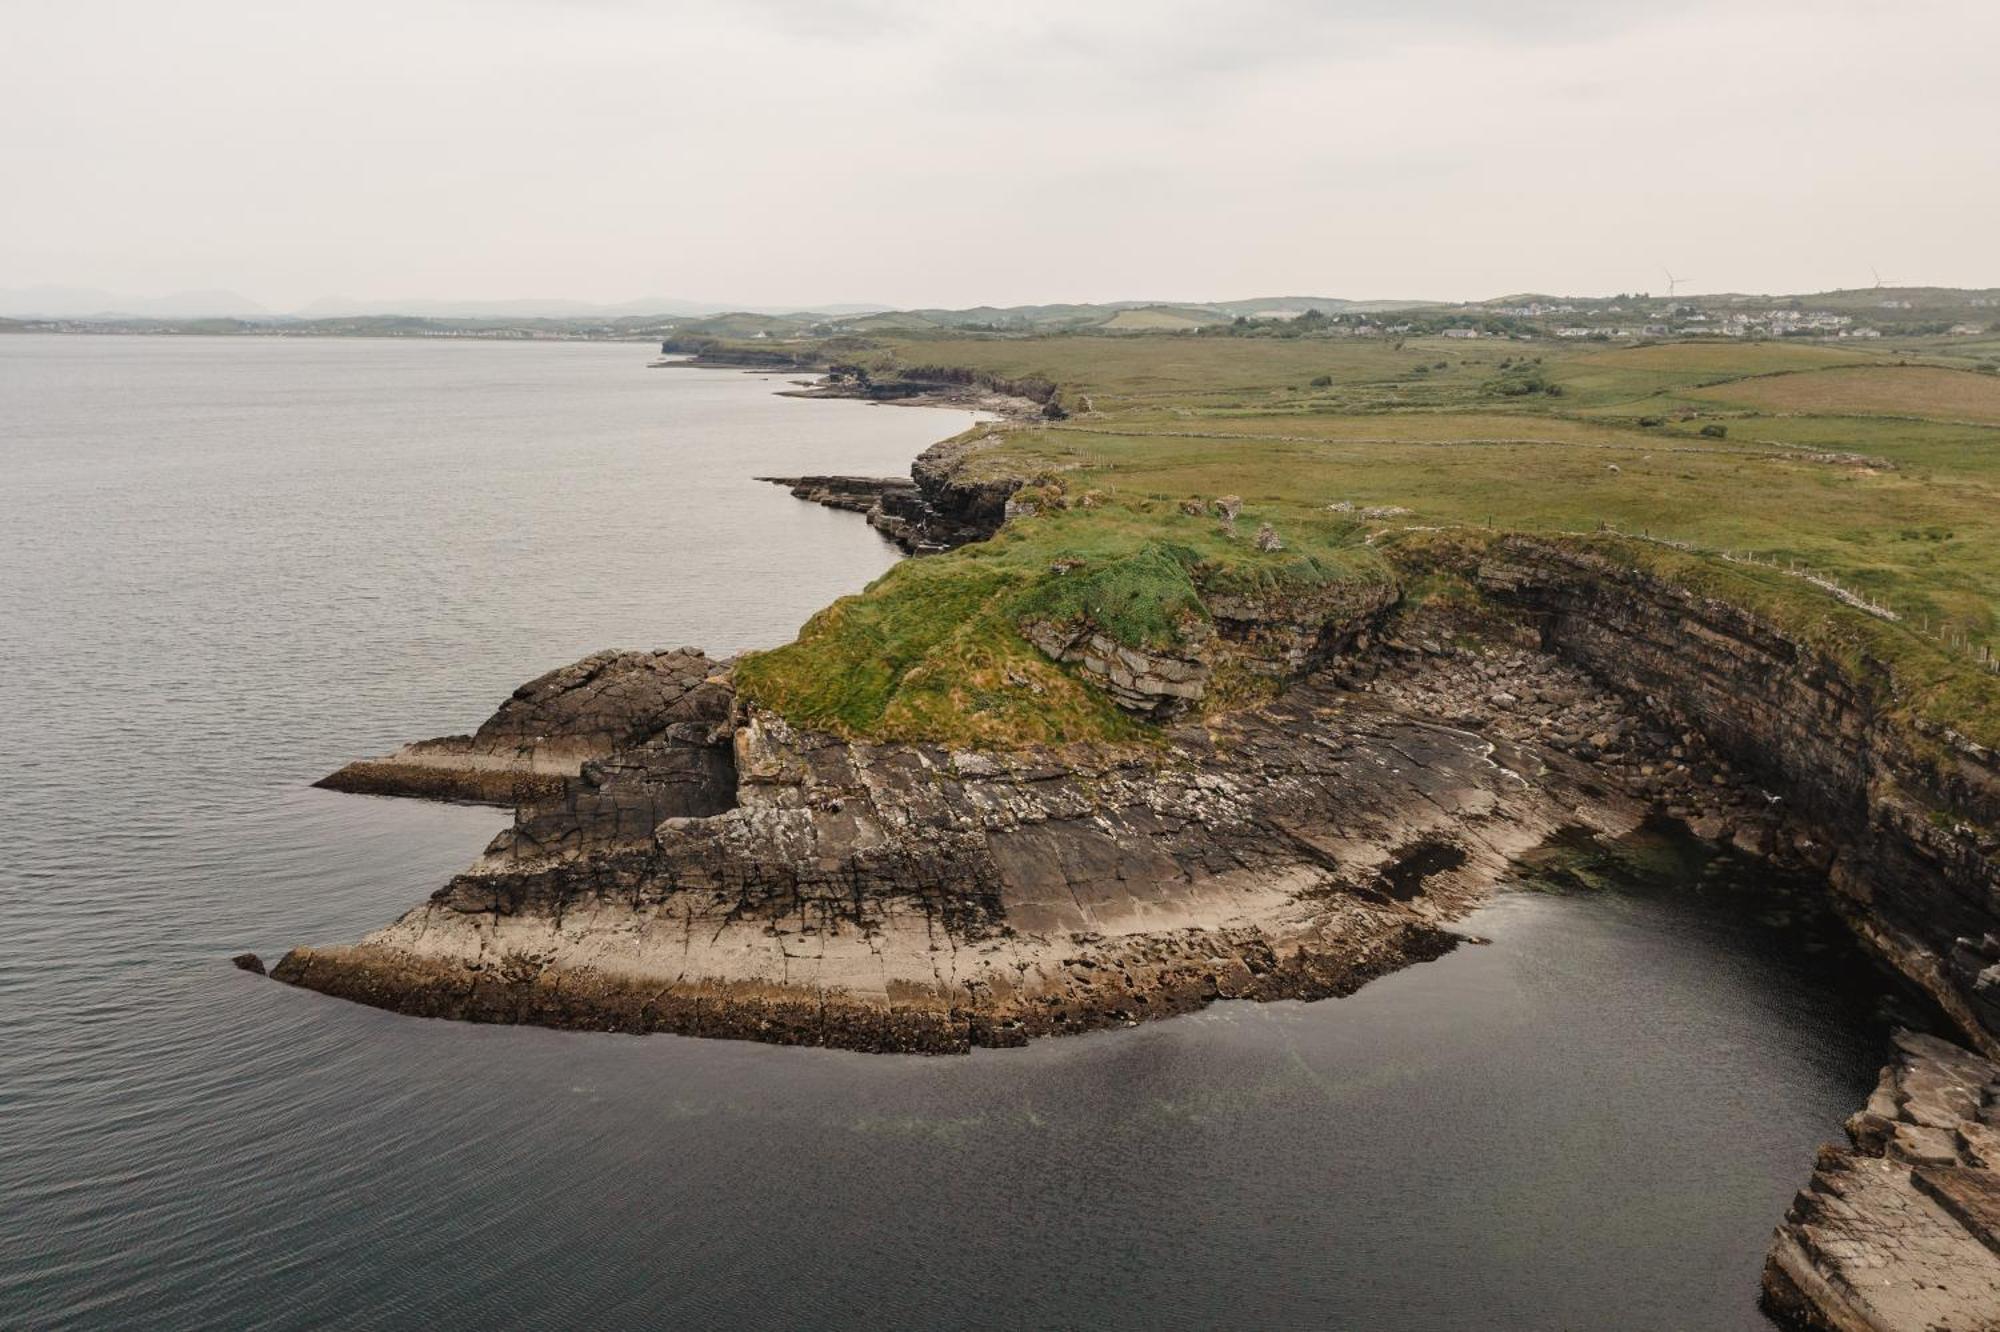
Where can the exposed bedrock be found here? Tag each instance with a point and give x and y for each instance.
(1902, 1230)
(1275, 636)
(551, 727)
(943, 504)
(1909, 817)
(911, 897)
(853, 494)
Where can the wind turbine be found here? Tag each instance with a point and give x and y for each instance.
(1879, 283)
(1673, 283)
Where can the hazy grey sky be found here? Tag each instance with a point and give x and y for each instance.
(935, 152)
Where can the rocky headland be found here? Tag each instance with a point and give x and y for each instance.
(913, 897)
(684, 859)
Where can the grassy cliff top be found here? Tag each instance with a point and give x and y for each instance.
(1876, 467)
(934, 648)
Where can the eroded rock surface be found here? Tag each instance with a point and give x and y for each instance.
(1906, 825)
(944, 503)
(915, 897)
(1273, 636)
(546, 732)
(852, 494)
(1901, 1232)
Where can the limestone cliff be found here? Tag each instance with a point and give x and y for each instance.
(1910, 817)
(683, 860)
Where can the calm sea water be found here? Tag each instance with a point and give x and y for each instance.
(227, 566)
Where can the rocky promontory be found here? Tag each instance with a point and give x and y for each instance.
(913, 897)
(548, 730)
(944, 502)
(1327, 772)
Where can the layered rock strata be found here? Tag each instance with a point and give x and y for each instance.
(1905, 824)
(716, 873)
(852, 494)
(1272, 637)
(943, 504)
(909, 897)
(544, 734)
(1902, 1230)
(1899, 1232)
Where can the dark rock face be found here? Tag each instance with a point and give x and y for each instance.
(959, 503)
(685, 771)
(248, 962)
(1903, 1230)
(546, 732)
(853, 494)
(1906, 822)
(943, 504)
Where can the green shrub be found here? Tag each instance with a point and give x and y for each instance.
(1520, 382)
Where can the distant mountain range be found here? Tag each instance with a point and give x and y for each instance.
(339, 307)
(49, 302)
(93, 303)
(228, 312)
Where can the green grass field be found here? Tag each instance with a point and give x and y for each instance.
(1727, 447)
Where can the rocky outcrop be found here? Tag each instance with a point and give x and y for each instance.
(1155, 683)
(853, 494)
(1274, 633)
(1901, 1231)
(549, 729)
(962, 502)
(945, 503)
(912, 897)
(1907, 822)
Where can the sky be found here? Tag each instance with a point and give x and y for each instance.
(788, 152)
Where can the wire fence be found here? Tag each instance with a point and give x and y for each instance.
(1954, 637)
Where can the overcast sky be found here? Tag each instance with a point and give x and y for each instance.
(1006, 151)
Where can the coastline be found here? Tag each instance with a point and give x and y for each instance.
(912, 898)
(937, 509)
(1305, 940)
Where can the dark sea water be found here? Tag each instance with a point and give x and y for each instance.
(227, 566)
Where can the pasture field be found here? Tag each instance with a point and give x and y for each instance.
(1917, 391)
(1760, 462)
